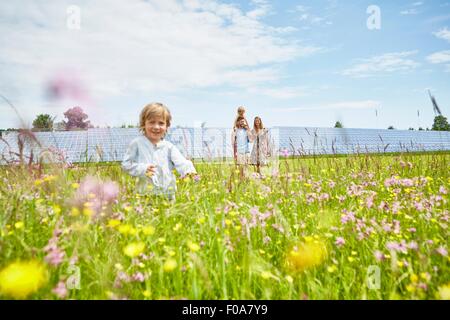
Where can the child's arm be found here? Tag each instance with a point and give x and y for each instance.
(181, 164)
(130, 164)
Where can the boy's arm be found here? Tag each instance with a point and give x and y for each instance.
(130, 164)
(181, 164)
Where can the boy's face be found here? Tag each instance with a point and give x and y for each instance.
(155, 128)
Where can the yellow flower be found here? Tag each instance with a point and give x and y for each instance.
(134, 249)
(113, 223)
(201, 220)
(19, 225)
(148, 230)
(146, 293)
(306, 255)
(444, 292)
(74, 212)
(170, 265)
(75, 185)
(193, 246)
(20, 279)
(414, 278)
(332, 269)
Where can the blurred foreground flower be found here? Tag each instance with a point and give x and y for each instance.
(20, 279)
(444, 292)
(95, 194)
(134, 249)
(306, 255)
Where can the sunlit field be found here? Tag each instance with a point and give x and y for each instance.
(353, 227)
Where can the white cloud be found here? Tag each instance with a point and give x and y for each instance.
(409, 12)
(365, 104)
(386, 63)
(443, 34)
(281, 92)
(439, 57)
(310, 19)
(145, 47)
(416, 4)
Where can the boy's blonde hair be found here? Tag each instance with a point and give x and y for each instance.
(241, 111)
(154, 109)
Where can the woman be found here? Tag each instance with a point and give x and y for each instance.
(261, 145)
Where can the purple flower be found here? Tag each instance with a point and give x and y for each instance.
(55, 257)
(96, 192)
(339, 242)
(379, 256)
(60, 290)
(413, 245)
(284, 152)
(138, 277)
(442, 251)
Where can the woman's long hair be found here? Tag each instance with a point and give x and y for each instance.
(261, 125)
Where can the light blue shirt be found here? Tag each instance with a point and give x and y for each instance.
(165, 156)
(242, 141)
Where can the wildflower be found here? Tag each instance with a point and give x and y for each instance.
(444, 292)
(442, 251)
(97, 193)
(20, 279)
(134, 249)
(113, 223)
(146, 293)
(339, 242)
(148, 230)
(332, 269)
(19, 225)
(170, 265)
(306, 255)
(60, 290)
(138, 277)
(379, 256)
(193, 246)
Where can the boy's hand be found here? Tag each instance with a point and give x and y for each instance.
(150, 170)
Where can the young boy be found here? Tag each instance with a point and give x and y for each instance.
(151, 158)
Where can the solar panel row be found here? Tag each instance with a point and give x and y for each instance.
(110, 144)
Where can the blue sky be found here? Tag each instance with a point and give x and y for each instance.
(293, 63)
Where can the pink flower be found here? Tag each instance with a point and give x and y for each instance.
(96, 192)
(60, 290)
(379, 256)
(138, 276)
(55, 257)
(339, 241)
(442, 251)
(284, 152)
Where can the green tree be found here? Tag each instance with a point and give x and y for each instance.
(338, 124)
(440, 124)
(43, 122)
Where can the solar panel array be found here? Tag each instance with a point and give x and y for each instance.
(110, 144)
